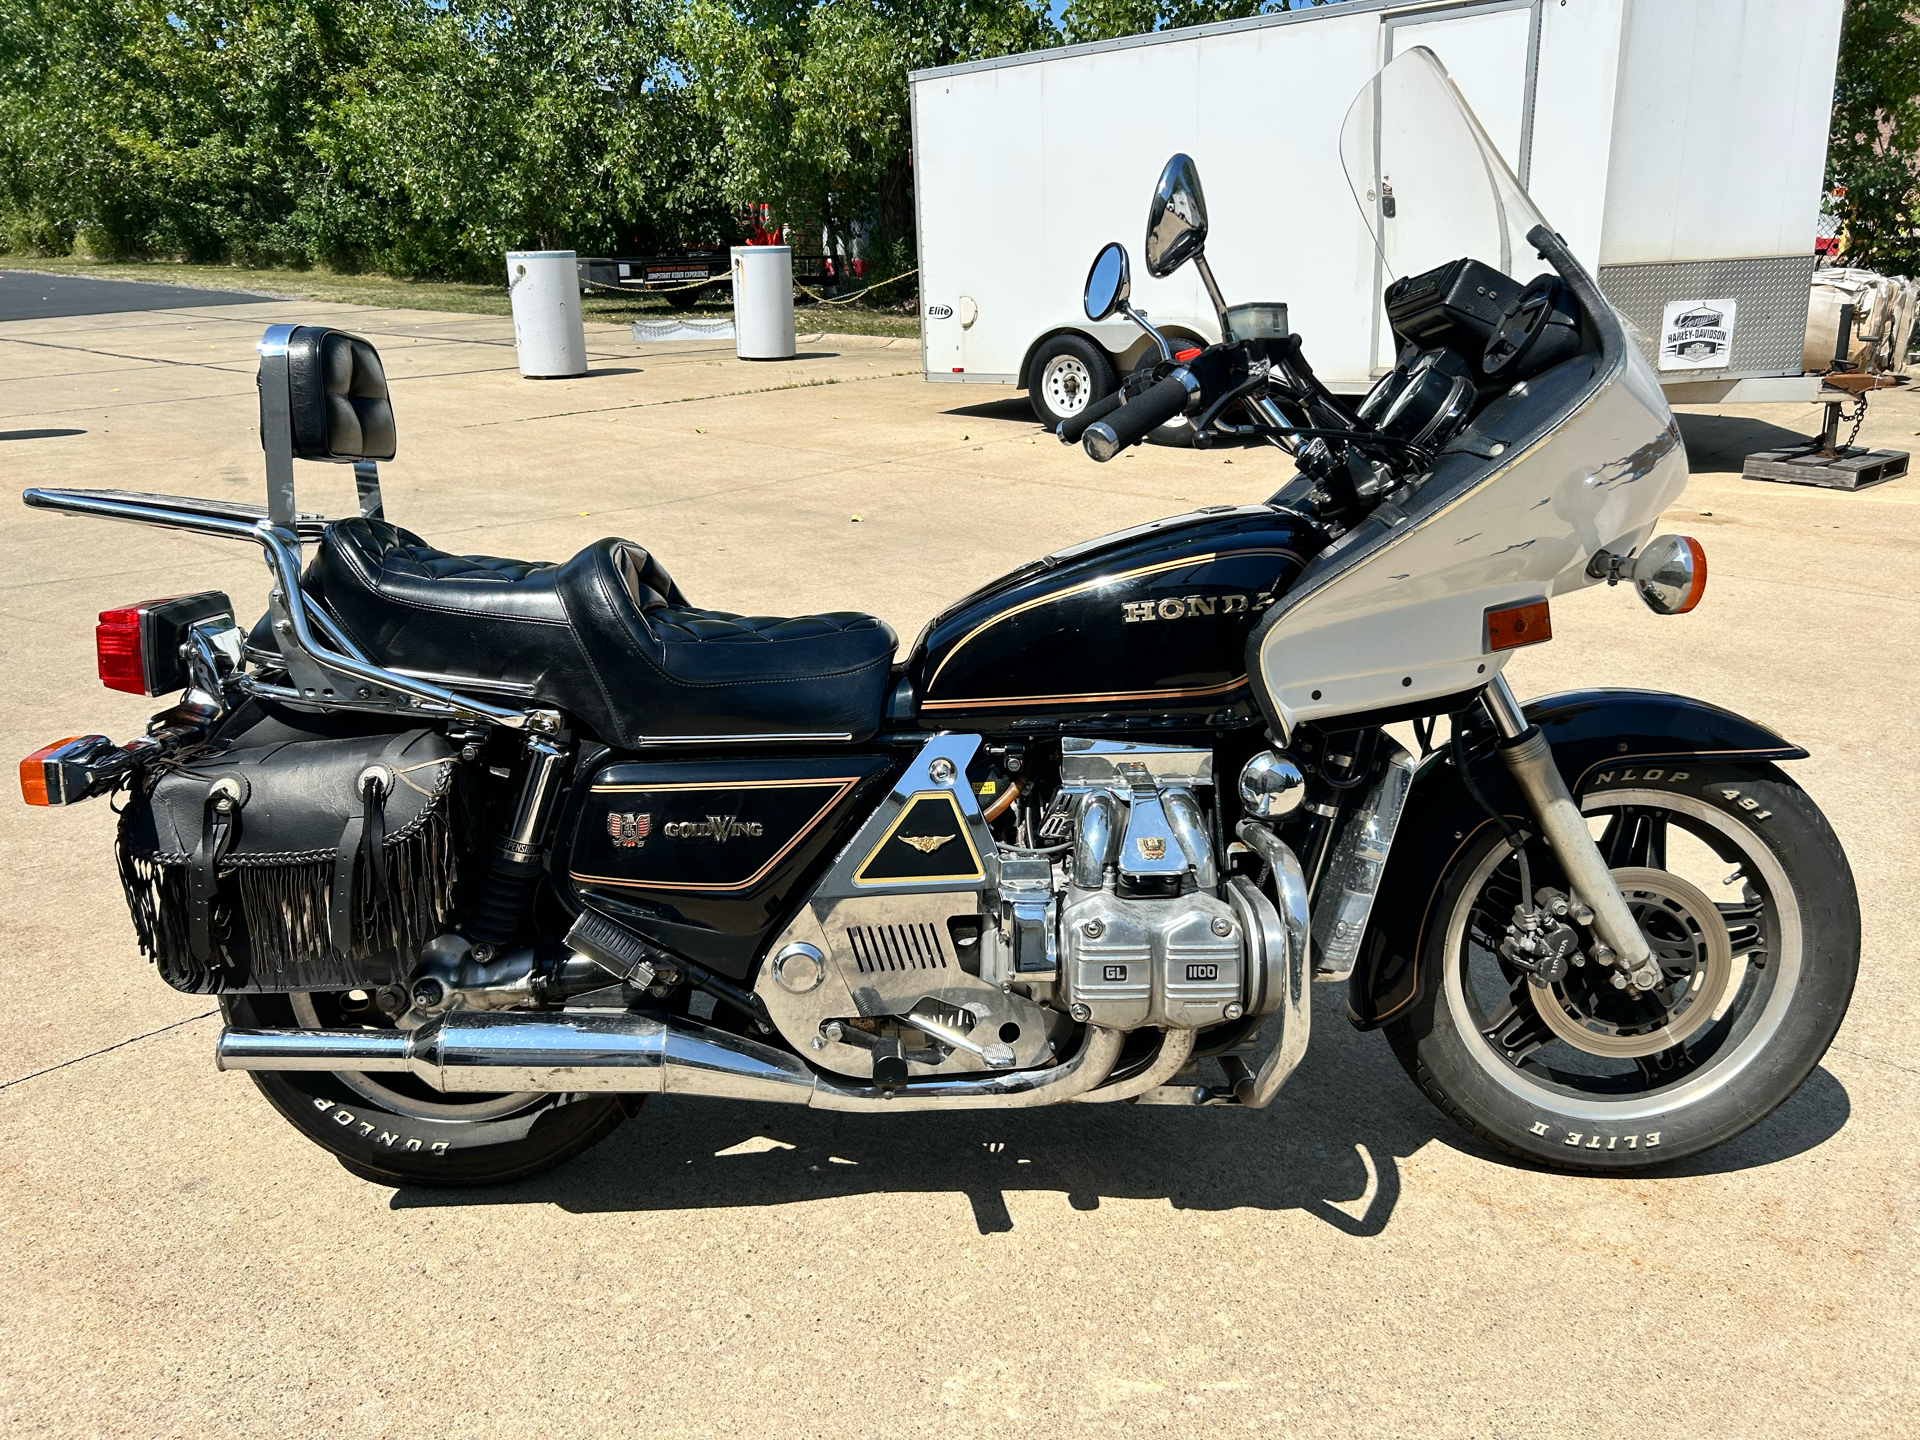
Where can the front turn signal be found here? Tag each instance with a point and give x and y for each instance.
(1671, 574)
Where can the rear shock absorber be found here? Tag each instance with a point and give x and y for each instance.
(515, 862)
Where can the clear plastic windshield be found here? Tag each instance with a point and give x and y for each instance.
(1430, 184)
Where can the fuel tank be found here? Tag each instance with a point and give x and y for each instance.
(1149, 624)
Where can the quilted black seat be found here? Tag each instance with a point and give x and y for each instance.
(607, 637)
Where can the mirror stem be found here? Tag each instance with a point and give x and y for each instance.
(1213, 294)
(1139, 318)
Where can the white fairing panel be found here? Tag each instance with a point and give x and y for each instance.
(1584, 459)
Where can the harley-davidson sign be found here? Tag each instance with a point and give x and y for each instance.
(1697, 334)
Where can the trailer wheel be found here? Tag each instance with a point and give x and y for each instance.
(1068, 373)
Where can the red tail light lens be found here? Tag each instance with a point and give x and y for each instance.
(116, 641)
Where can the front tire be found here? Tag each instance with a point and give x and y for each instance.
(1067, 374)
(397, 1130)
(1586, 1076)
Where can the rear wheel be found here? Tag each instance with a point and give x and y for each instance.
(1745, 897)
(1068, 373)
(398, 1130)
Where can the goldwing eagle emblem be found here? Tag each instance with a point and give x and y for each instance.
(629, 831)
(925, 844)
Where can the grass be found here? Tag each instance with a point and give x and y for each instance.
(444, 295)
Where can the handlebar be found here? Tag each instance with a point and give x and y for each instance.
(1140, 416)
(1071, 428)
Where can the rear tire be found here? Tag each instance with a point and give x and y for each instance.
(1067, 374)
(396, 1130)
(1599, 1084)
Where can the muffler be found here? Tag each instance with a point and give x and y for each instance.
(469, 1050)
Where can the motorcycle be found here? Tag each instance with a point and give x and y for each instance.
(478, 853)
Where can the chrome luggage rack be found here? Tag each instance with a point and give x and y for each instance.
(324, 668)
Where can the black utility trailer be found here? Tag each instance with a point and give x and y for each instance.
(681, 276)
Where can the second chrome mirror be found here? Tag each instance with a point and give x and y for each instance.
(1177, 219)
(1109, 282)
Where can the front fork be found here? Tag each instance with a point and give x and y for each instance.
(1528, 757)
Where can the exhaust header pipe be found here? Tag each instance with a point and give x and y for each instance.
(482, 1050)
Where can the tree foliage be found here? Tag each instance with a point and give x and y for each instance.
(423, 137)
(1874, 147)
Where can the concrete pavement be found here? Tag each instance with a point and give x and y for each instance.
(178, 1261)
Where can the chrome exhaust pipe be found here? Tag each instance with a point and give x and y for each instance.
(491, 1050)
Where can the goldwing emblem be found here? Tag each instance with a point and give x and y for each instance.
(629, 831)
(925, 844)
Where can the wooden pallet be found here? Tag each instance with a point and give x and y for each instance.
(1846, 469)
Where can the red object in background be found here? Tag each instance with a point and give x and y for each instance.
(1182, 356)
(760, 228)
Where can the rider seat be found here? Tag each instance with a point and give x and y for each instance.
(607, 636)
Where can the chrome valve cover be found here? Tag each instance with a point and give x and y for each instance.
(1179, 964)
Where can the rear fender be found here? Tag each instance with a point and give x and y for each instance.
(1593, 732)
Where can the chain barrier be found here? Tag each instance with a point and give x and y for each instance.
(813, 295)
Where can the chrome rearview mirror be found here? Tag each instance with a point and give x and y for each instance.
(1109, 282)
(1177, 219)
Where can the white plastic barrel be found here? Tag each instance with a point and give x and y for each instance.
(763, 302)
(547, 333)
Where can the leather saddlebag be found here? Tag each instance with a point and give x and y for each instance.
(306, 865)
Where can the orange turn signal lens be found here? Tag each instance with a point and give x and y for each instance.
(1515, 625)
(33, 773)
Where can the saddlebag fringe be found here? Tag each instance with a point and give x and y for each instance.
(270, 921)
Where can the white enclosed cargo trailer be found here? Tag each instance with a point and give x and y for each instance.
(1678, 145)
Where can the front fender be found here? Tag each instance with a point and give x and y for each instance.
(1590, 731)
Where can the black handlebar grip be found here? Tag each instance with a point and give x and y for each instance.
(1071, 428)
(1140, 416)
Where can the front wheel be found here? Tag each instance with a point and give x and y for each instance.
(1745, 896)
(395, 1129)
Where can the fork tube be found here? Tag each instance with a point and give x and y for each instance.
(1526, 754)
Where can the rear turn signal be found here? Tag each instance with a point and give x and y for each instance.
(1515, 625)
(33, 773)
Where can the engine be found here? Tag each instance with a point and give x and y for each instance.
(1116, 912)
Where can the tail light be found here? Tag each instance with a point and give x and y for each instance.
(116, 643)
(138, 646)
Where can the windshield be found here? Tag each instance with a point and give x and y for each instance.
(1430, 184)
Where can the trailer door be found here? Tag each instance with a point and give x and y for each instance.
(1489, 51)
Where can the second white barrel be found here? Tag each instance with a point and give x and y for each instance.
(763, 302)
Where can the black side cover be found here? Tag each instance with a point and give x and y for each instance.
(708, 856)
(1593, 733)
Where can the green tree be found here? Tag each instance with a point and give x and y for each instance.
(812, 99)
(1874, 146)
(1106, 19)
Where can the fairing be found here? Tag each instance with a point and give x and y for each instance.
(1582, 457)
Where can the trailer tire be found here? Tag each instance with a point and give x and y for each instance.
(1067, 373)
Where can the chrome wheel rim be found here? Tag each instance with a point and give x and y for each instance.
(1067, 384)
(1765, 944)
(405, 1094)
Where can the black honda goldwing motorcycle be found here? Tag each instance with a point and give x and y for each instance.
(477, 852)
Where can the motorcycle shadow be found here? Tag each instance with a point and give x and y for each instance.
(1331, 1145)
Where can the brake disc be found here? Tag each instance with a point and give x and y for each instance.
(1691, 946)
